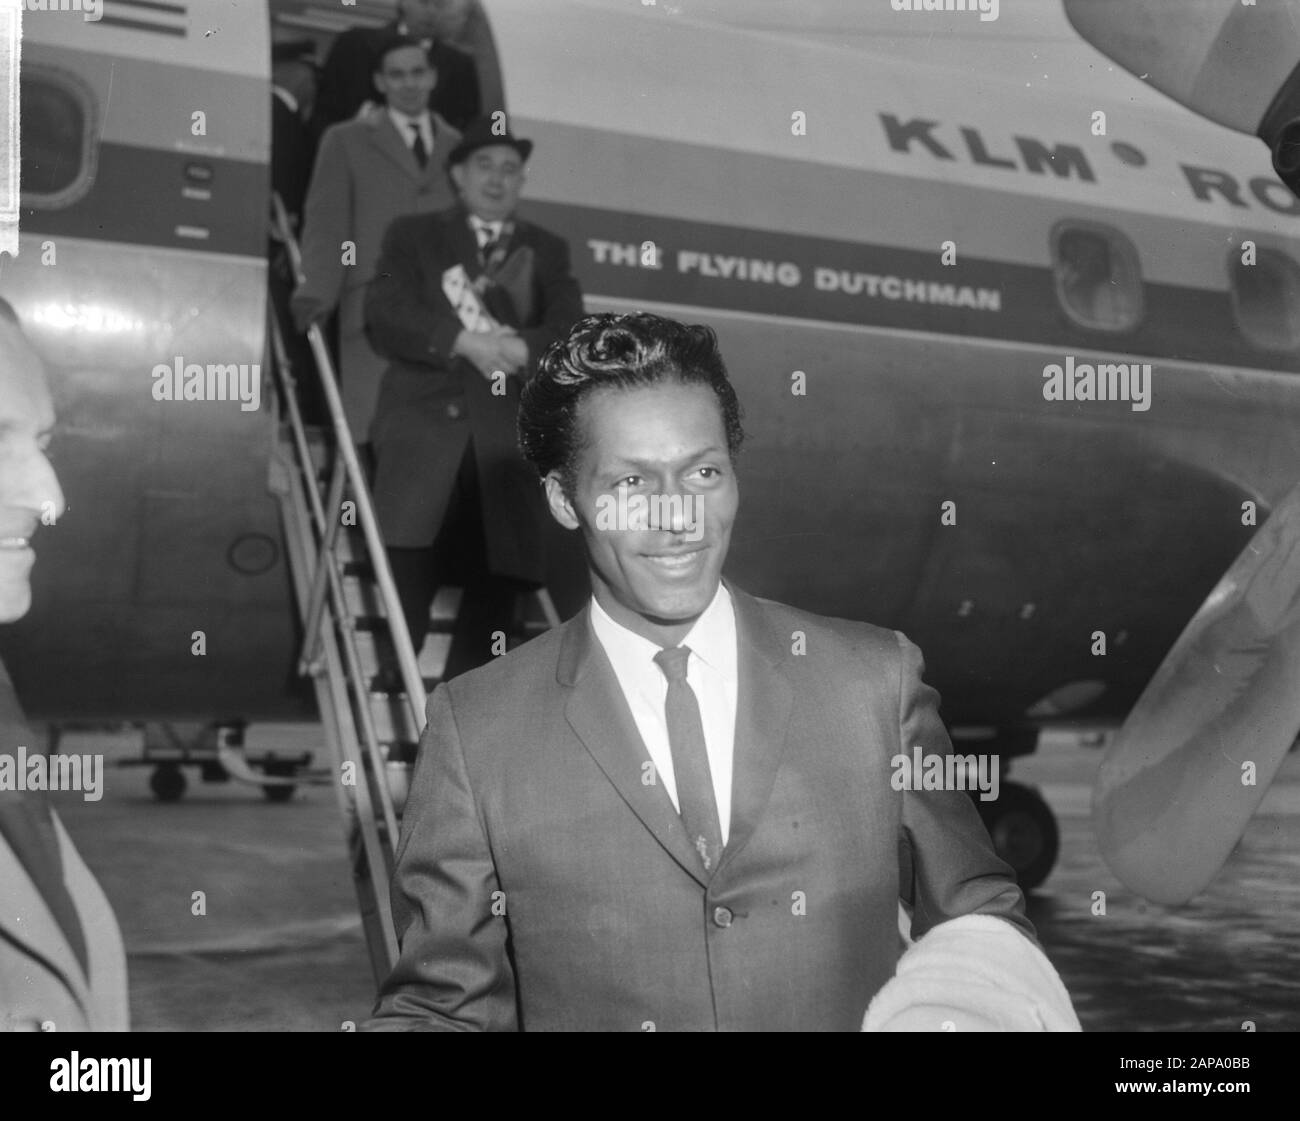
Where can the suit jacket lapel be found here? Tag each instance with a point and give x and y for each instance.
(26, 920)
(598, 713)
(386, 138)
(443, 142)
(464, 243)
(764, 702)
(107, 996)
(518, 272)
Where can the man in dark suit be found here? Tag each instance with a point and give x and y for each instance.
(62, 964)
(293, 146)
(462, 304)
(369, 171)
(293, 151)
(346, 78)
(677, 810)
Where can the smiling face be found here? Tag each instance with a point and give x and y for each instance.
(667, 444)
(28, 487)
(489, 181)
(406, 80)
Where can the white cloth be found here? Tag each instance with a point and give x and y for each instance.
(406, 126)
(286, 98)
(973, 973)
(711, 673)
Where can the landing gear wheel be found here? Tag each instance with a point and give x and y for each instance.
(1024, 832)
(279, 770)
(167, 782)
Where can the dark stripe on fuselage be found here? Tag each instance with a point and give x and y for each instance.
(152, 5)
(137, 198)
(1182, 322)
(141, 25)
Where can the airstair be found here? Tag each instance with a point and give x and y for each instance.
(352, 621)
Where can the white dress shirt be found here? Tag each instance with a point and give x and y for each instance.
(484, 230)
(711, 673)
(405, 124)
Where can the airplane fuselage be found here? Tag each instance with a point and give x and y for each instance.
(889, 294)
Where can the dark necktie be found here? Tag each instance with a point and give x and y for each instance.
(418, 149)
(698, 807)
(490, 242)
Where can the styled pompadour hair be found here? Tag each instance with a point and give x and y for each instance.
(609, 351)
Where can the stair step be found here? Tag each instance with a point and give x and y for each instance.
(351, 551)
(368, 652)
(446, 604)
(350, 545)
(362, 598)
(392, 718)
(400, 751)
(321, 449)
(400, 757)
(432, 658)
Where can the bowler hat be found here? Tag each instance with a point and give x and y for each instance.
(482, 133)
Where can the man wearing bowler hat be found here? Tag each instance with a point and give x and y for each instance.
(463, 303)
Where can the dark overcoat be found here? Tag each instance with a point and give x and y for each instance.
(431, 405)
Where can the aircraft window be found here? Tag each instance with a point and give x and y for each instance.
(1098, 278)
(55, 144)
(1266, 299)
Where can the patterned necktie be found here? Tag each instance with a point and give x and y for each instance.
(698, 807)
(489, 239)
(418, 149)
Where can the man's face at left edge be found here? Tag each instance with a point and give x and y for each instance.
(660, 453)
(29, 489)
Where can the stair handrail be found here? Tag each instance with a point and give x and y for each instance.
(366, 519)
(304, 519)
(325, 590)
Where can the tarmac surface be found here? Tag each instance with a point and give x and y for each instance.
(280, 945)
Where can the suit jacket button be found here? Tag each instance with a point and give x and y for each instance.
(722, 916)
(453, 411)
